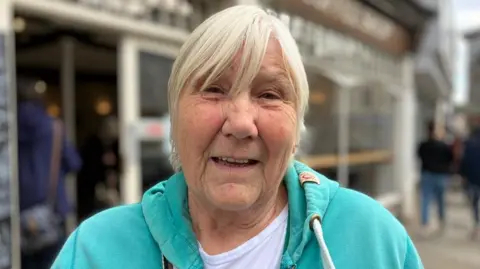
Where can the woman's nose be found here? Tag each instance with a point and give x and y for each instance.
(241, 115)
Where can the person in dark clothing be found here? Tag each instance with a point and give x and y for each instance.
(436, 158)
(35, 138)
(470, 170)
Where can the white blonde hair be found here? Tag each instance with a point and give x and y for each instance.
(212, 47)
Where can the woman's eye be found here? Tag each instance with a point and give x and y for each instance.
(270, 96)
(214, 89)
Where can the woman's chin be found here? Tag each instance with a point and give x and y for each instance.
(234, 201)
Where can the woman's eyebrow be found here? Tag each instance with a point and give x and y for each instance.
(201, 80)
(278, 78)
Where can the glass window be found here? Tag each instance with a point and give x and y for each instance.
(322, 117)
(371, 127)
(319, 149)
(371, 142)
(154, 73)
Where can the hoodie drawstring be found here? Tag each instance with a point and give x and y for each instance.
(326, 258)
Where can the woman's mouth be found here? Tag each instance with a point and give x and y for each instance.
(233, 162)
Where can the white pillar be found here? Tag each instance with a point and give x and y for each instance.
(343, 134)
(129, 110)
(405, 148)
(9, 231)
(67, 82)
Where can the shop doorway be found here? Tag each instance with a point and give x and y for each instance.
(76, 79)
(110, 92)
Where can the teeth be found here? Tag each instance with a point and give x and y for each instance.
(231, 160)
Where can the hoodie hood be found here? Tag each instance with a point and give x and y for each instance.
(165, 208)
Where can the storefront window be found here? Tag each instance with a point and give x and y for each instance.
(371, 125)
(320, 148)
(154, 72)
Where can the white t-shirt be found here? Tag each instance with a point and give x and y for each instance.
(262, 251)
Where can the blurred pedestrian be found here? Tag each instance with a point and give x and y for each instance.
(437, 159)
(470, 170)
(44, 158)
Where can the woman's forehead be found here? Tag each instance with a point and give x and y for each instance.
(269, 73)
(273, 65)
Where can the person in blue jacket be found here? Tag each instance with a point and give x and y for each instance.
(470, 170)
(35, 138)
(238, 95)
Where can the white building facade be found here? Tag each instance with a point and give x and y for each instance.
(472, 104)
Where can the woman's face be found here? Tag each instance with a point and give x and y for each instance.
(235, 148)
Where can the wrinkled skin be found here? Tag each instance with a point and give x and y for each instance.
(258, 123)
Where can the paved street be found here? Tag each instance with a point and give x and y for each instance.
(454, 249)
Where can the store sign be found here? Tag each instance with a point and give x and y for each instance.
(352, 18)
(355, 15)
(139, 7)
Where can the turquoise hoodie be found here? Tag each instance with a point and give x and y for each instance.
(357, 231)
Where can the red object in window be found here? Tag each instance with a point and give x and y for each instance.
(155, 130)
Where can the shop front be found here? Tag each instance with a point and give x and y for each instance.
(124, 52)
(361, 116)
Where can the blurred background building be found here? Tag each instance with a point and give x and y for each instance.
(378, 70)
(360, 60)
(472, 107)
(434, 66)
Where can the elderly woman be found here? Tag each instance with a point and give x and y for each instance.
(238, 95)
